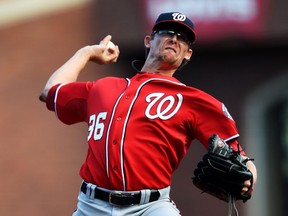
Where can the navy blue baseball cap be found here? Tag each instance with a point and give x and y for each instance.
(177, 21)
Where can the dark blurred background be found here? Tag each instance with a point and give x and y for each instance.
(240, 57)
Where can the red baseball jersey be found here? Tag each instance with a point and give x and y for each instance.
(139, 129)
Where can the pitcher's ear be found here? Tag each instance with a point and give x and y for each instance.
(147, 41)
(188, 54)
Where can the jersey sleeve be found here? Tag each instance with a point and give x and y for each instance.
(69, 101)
(212, 117)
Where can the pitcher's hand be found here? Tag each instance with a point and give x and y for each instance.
(104, 52)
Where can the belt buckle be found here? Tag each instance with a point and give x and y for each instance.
(121, 196)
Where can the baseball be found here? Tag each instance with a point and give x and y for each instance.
(109, 48)
(110, 45)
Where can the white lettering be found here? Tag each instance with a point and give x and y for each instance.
(96, 126)
(161, 111)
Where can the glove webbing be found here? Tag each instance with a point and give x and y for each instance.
(231, 205)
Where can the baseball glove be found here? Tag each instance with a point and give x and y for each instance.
(222, 172)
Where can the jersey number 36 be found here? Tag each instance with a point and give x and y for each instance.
(96, 126)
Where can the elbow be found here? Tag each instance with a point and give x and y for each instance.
(42, 98)
(44, 94)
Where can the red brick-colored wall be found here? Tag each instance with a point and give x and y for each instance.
(39, 157)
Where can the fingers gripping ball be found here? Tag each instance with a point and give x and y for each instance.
(222, 171)
(110, 48)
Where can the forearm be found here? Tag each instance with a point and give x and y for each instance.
(251, 166)
(249, 185)
(101, 53)
(68, 72)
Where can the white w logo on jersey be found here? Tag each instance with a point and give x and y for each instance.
(162, 112)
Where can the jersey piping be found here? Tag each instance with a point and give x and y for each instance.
(55, 99)
(109, 127)
(232, 138)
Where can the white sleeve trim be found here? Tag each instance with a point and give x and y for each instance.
(231, 138)
(55, 99)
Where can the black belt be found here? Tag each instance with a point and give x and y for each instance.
(120, 198)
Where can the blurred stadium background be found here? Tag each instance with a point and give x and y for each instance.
(240, 57)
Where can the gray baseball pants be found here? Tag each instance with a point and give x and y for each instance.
(89, 206)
